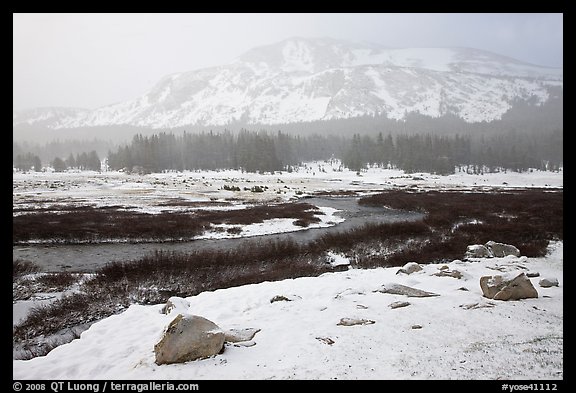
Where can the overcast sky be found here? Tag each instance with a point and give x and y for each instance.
(92, 60)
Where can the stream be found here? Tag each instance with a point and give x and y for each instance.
(89, 257)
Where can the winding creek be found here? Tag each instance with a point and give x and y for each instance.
(89, 257)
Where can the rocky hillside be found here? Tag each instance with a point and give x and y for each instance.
(320, 79)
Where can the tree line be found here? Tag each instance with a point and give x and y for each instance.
(441, 154)
(247, 151)
(82, 161)
(269, 152)
(263, 151)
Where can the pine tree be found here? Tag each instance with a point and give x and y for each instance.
(37, 164)
(58, 164)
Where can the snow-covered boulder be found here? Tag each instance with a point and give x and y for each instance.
(399, 289)
(409, 268)
(502, 250)
(240, 335)
(338, 262)
(477, 251)
(177, 304)
(548, 282)
(189, 337)
(449, 273)
(398, 304)
(354, 322)
(500, 288)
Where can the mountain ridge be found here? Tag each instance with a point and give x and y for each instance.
(300, 79)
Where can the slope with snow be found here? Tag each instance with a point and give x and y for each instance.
(319, 79)
(462, 335)
(47, 116)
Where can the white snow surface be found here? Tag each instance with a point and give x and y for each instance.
(148, 191)
(328, 218)
(300, 339)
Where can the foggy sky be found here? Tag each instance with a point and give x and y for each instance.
(92, 60)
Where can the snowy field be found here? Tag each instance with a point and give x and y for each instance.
(462, 335)
(188, 191)
(157, 192)
(300, 339)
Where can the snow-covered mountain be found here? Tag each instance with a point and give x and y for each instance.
(48, 116)
(319, 79)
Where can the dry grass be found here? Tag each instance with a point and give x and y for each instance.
(21, 267)
(88, 224)
(528, 219)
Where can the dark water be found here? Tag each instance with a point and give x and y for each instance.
(88, 257)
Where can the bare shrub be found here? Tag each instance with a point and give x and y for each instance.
(88, 224)
(58, 281)
(22, 267)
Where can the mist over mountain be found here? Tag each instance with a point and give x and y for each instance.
(315, 80)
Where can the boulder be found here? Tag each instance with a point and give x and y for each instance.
(477, 251)
(548, 282)
(398, 304)
(498, 288)
(189, 337)
(449, 273)
(399, 289)
(501, 250)
(474, 306)
(532, 274)
(409, 268)
(239, 335)
(354, 321)
(245, 344)
(178, 304)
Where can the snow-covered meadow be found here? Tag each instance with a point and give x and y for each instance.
(462, 336)
(211, 190)
(457, 335)
(158, 191)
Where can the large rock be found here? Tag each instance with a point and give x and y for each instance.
(477, 251)
(189, 337)
(499, 288)
(502, 250)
